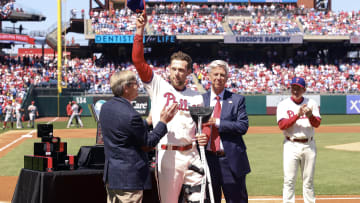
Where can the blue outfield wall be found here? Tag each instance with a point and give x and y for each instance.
(255, 105)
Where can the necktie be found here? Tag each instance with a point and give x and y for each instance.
(215, 138)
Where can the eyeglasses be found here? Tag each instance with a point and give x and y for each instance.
(133, 83)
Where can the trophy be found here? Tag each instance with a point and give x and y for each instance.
(201, 115)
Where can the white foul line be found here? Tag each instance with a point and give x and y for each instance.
(24, 136)
(53, 120)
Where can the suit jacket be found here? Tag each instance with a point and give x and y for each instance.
(233, 125)
(124, 133)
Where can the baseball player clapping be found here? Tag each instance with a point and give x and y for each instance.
(297, 116)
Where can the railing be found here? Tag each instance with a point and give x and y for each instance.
(38, 33)
(13, 31)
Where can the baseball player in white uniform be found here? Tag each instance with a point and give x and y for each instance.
(18, 110)
(176, 151)
(32, 109)
(297, 116)
(9, 114)
(75, 113)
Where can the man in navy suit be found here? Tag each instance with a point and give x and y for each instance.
(227, 158)
(126, 170)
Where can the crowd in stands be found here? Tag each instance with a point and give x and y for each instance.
(256, 78)
(14, 79)
(331, 23)
(264, 25)
(195, 19)
(191, 23)
(6, 9)
(119, 22)
(17, 74)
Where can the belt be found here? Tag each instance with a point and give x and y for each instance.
(298, 140)
(220, 153)
(178, 148)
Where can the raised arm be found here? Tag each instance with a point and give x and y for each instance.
(144, 70)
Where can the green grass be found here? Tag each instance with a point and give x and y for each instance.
(270, 120)
(88, 122)
(336, 171)
(254, 120)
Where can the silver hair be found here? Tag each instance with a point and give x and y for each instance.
(219, 63)
(119, 79)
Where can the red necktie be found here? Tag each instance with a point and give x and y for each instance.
(215, 138)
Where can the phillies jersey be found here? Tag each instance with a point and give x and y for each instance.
(9, 109)
(181, 129)
(17, 108)
(32, 109)
(302, 129)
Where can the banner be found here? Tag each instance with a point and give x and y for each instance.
(16, 38)
(355, 39)
(353, 104)
(48, 52)
(160, 39)
(114, 39)
(273, 1)
(141, 103)
(129, 39)
(200, 1)
(263, 39)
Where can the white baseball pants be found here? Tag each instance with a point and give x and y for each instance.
(304, 155)
(173, 172)
(77, 116)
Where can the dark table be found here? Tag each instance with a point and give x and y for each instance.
(76, 186)
(84, 185)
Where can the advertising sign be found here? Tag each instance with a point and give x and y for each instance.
(355, 39)
(263, 39)
(114, 39)
(353, 104)
(200, 1)
(16, 38)
(273, 1)
(129, 39)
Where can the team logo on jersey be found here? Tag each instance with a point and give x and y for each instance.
(292, 114)
(183, 103)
